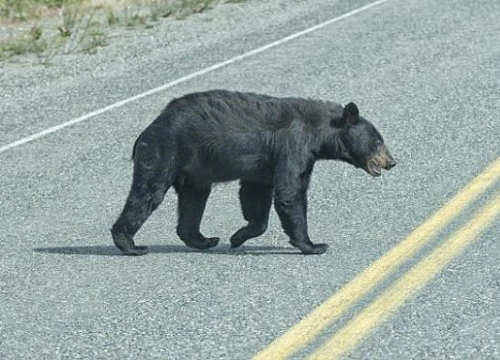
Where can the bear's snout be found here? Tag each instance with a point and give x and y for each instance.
(390, 164)
(381, 160)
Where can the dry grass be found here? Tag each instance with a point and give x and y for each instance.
(46, 28)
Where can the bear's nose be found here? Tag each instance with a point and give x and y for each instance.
(390, 164)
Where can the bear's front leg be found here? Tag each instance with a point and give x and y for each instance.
(291, 205)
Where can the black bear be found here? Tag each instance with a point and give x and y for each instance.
(270, 144)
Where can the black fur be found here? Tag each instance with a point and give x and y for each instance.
(270, 144)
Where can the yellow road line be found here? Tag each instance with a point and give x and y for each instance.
(351, 334)
(324, 315)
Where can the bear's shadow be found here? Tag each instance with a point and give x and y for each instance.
(168, 249)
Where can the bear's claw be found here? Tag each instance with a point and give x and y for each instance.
(311, 249)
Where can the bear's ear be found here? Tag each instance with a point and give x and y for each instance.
(351, 114)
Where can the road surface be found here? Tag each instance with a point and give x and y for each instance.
(412, 271)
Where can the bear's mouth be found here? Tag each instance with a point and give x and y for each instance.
(381, 160)
(374, 169)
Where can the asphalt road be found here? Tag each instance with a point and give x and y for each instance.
(426, 72)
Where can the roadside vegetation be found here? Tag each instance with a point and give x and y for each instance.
(42, 29)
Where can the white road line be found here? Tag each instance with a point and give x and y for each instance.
(204, 71)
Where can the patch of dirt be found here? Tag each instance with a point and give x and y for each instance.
(85, 27)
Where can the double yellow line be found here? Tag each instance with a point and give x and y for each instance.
(349, 336)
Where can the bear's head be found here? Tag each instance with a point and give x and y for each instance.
(360, 144)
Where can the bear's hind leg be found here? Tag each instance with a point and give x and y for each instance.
(146, 194)
(191, 205)
(256, 200)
